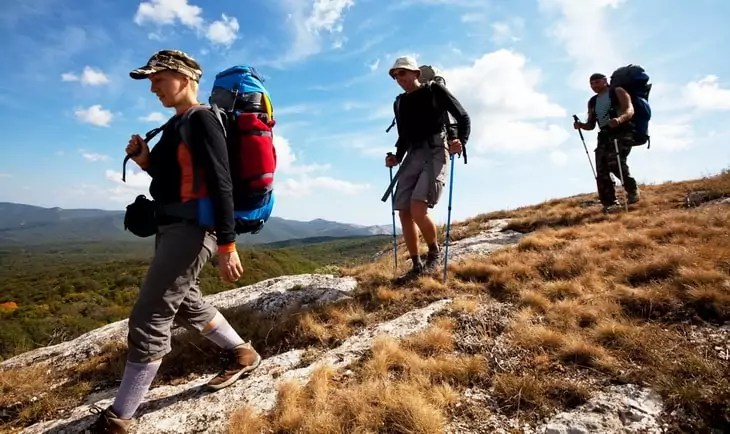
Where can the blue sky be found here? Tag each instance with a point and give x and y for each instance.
(520, 68)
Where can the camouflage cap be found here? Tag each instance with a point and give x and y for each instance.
(174, 60)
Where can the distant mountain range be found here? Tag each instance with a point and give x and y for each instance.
(32, 225)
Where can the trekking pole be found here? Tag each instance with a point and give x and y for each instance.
(448, 219)
(620, 172)
(586, 148)
(392, 212)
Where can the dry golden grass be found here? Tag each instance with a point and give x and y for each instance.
(403, 387)
(598, 299)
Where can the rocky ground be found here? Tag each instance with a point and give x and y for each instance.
(188, 408)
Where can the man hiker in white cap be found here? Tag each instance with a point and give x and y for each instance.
(420, 114)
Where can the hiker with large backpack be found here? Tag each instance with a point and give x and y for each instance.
(423, 149)
(204, 195)
(621, 111)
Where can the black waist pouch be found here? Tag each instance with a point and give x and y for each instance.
(140, 218)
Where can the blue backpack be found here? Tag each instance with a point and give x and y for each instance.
(634, 80)
(243, 106)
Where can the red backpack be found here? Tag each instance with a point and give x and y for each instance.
(243, 106)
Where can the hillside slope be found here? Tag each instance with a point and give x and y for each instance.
(61, 292)
(23, 225)
(619, 322)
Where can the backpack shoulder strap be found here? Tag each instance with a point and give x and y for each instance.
(183, 124)
(183, 127)
(592, 102)
(396, 107)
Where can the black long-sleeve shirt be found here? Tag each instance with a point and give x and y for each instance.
(170, 181)
(418, 119)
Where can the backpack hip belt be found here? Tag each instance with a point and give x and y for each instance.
(190, 211)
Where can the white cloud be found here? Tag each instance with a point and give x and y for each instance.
(94, 115)
(223, 31)
(706, 94)
(583, 29)
(294, 109)
(291, 180)
(5, 175)
(327, 15)
(373, 66)
(155, 36)
(672, 135)
(508, 31)
(168, 12)
(354, 105)
(305, 185)
(89, 76)
(285, 159)
(284, 155)
(125, 192)
(473, 17)
(298, 180)
(307, 25)
(155, 117)
(507, 111)
(135, 180)
(92, 156)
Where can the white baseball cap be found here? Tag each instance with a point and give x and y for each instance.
(405, 62)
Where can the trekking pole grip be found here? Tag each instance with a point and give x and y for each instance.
(575, 118)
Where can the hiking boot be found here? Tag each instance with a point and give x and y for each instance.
(634, 197)
(412, 274)
(612, 208)
(433, 260)
(107, 423)
(238, 361)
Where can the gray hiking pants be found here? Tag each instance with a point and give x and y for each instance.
(170, 291)
(423, 174)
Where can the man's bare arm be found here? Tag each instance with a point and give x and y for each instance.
(627, 108)
(590, 122)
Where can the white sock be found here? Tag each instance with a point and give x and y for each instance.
(135, 384)
(222, 334)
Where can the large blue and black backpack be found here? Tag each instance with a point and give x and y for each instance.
(243, 106)
(634, 80)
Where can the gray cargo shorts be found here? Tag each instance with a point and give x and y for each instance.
(416, 182)
(170, 291)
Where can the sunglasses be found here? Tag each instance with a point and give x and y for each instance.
(399, 73)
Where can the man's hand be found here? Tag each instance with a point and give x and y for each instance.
(229, 266)
(455, 146)
(390, 160)
(577, 125)
(613, 123)
(138, 150)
